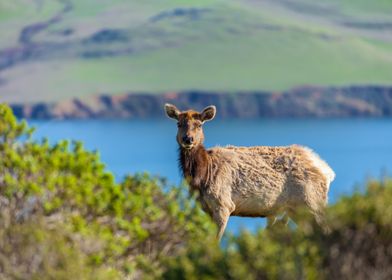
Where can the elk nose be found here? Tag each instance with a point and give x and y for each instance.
(187, 140)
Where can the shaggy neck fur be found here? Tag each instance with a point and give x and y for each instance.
(194, 164)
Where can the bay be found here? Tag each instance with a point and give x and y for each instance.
(356, 149)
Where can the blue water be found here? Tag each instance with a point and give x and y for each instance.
(355, 148)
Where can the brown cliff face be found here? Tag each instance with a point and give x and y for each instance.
(304, 102)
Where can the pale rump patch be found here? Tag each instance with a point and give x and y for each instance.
(321, 164)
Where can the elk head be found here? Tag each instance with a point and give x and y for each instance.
(190, 131)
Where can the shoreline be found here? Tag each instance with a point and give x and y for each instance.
(301, 102)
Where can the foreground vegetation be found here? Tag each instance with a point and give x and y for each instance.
(63, 216)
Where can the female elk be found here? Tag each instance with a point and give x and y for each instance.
(256, 181)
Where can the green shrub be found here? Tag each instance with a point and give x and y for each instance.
(359, 246)
(88, 221)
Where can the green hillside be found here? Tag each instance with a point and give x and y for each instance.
(89, 47)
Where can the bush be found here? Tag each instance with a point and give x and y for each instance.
(60, 205)
(359, 246)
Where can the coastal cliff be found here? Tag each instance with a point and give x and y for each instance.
(303, 102)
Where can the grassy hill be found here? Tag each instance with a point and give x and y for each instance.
(53, 50)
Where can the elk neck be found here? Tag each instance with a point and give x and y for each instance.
(194, 164)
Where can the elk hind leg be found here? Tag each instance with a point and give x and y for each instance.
(317, 209)
(271, 220)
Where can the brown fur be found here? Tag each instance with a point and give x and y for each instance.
(249, 181)
(194, 166)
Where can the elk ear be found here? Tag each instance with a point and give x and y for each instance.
(172, 111)
(208, 113)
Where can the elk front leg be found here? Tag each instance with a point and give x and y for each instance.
(221, 218)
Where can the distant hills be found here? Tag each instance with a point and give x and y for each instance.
(58, 50)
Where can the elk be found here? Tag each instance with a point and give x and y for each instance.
(258, 181)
